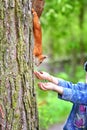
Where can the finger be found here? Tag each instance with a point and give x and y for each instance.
(41, 86)
(35, 72)
(37, 75)
(44, 87)
(38, 72)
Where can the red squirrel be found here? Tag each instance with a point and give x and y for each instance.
(39, 57)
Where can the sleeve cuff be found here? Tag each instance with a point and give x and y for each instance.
(67, 94)
(61, 82)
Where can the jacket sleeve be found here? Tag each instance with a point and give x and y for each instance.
(75, 93)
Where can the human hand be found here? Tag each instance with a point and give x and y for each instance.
(47, 86)
(42, 75)
(50, 86)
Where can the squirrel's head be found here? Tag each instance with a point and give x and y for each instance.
(39, 60)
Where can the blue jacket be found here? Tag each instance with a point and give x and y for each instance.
(77, 94)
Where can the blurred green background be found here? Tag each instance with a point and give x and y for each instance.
(64, 26)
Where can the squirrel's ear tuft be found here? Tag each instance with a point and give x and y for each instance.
(85, 66)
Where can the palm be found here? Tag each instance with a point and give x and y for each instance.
(42, 75)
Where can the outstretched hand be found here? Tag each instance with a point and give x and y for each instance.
(42, 75)
(47, 86)
(50, 86)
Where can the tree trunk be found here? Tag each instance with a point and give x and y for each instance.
(18, 108)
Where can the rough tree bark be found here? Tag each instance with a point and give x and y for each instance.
(18, 108)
